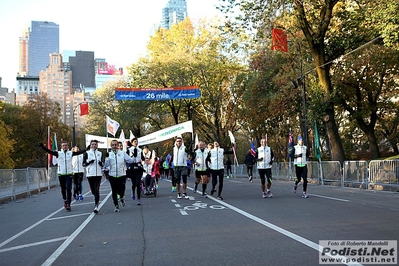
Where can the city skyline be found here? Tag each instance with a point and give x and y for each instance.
(111, 32)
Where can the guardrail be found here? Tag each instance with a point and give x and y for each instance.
(375, 175)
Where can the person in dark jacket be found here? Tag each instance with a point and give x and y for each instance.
(249, 161)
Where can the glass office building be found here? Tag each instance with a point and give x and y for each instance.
(44, 39)
(175, 11)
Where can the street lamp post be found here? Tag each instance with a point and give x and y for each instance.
(74, 124)
(301, 82)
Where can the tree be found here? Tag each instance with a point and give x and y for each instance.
(37, 114)
(191, 56)
(331, 29)
(6, 147)
(367, 88)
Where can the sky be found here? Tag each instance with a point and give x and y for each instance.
(115, 30)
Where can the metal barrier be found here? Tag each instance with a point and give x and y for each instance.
(20, 182)
(376, 175)
(331, 173)
(355, 174)
(384, 172)
(284, 171)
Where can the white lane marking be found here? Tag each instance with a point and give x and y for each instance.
(32, 226)
(81, 203)
(29, 228)
(34, 244)
(177, 205)
(69, 240)
(233, 181)
(280, 230)
(183, 212)
(325, 197)
(69, 216)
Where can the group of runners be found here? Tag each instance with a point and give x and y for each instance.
(136, 163)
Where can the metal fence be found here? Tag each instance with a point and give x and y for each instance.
(375, 175)
(355, 174)
(384, 174)
(23, 182)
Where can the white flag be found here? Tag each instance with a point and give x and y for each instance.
(131, 136)
(196, 141)
(112, 126)
(122, 136)
(232, 139)
(55, 148)
(122, 139)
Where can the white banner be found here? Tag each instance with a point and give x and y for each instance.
(102, 141)
(155, 137)
(167, 133)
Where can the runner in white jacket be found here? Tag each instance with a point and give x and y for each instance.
(93, 163)
(264, 158)
(216, 156)
(115, 163)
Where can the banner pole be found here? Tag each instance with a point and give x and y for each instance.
(106, 131)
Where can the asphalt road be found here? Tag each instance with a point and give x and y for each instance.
(243, 229)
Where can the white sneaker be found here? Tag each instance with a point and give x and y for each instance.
(264, 195)
(185, 195)
(95, 209)
(178, 195)
(294, 188)
(304, 195)
(269, 194)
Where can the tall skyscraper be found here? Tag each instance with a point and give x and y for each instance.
(82, 67)
(44, 39)
(174, 12)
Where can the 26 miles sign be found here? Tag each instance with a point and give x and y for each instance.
(150, 94)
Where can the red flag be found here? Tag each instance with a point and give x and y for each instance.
(279, 40)
(84, 109)
(49, 156)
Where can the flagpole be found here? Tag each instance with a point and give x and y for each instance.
(106, 131)
(48, 158)
(321, 172)
(289, 162)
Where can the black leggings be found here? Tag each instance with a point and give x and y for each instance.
(215, 174)
(66, 187)
(172, 175)
(135, 176)
(265, 173)
(77, 180)
(118, 185)
(249, 170)
(95, 182)
(302, 172)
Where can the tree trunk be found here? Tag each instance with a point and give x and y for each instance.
(323, 73)
(335, 144)
(370, 134)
